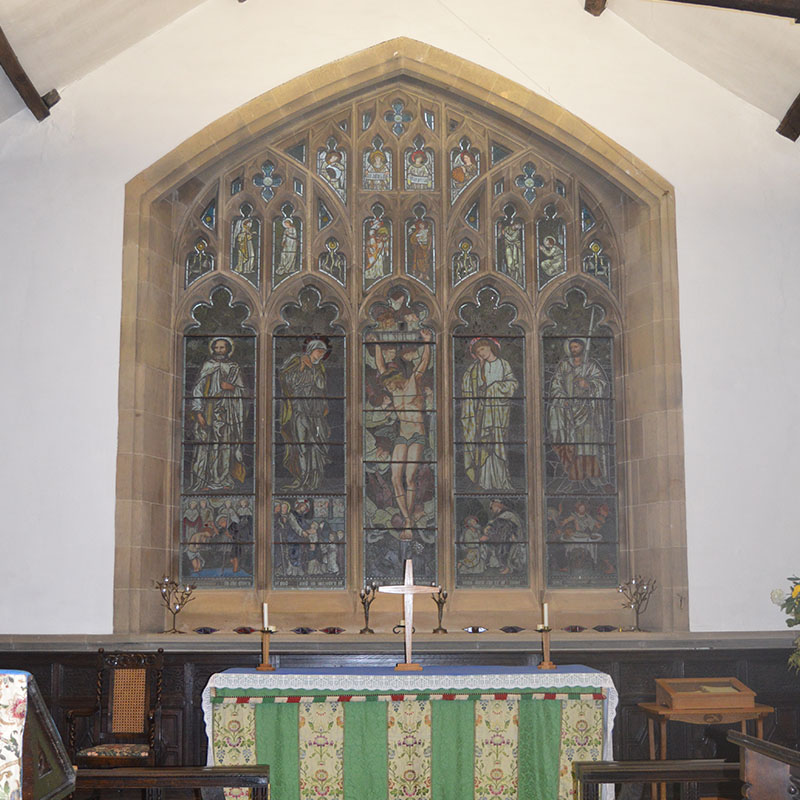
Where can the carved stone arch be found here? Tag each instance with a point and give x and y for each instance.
(647, 308)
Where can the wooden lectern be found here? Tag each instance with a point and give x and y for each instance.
(46, 771)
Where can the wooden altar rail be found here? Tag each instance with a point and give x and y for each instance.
(589, 775)
(155, 779)
(771, 772)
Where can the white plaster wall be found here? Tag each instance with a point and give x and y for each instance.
(61, 201)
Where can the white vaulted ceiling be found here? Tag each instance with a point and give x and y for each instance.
(756, 57)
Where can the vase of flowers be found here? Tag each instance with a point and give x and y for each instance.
(790, 605)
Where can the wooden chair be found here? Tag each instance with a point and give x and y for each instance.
(126, 727)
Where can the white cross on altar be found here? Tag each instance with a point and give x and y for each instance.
(408, 590)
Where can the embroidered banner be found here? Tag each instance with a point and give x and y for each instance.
(496, 747)
(581, 739)
(321, 750)
(409, 749)
(234, 741)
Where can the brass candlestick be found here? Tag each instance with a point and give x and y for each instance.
(265, 666)
(367, 595)
(546, 663)
(440, 598)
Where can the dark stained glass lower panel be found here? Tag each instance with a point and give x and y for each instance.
(309, 544)
(217, 543)
(581, 541)
(386, 551)
(491, 541)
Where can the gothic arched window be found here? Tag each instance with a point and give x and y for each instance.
(406, 330)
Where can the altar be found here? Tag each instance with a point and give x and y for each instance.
(448, 733)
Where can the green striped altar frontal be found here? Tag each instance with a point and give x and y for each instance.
(516, 745)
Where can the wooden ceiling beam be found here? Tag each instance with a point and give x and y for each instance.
(38, 104)
(790, 124)
(775, 8)
(595, 7)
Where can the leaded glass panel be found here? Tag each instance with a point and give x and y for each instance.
(309, 543)
(217, 541)
(399, 419)
(491, 541)
(246, 245)
(199, 261)
(510, 245)
(287, 244)
(218, 446)
(309, 446)
(579, 450)
(431, 186)
(490, 451)
(581, 541)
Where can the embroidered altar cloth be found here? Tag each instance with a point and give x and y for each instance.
(480, 733)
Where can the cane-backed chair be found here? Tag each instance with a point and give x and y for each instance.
(125, 725)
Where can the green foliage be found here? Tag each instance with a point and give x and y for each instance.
(791, 607)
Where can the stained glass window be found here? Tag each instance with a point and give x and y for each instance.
(403, 221)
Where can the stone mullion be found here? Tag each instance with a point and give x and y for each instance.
(264, 449)
(534, 414)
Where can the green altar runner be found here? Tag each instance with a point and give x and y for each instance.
(445, 734)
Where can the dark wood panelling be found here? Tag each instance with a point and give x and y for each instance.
(67, 680)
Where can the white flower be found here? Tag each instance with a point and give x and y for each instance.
(777, 596)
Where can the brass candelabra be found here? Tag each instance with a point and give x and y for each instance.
(637, 592)
(174, 596)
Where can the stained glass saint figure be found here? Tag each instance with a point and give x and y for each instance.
(511, 245)
(487, 387)
(465, 262)
(333, 262)
(287, 243)
(199, 261)
(577, 413)
(218, 412)
(420, 250)
(377, 246)
(465, 166)
(419, 167)
(551, 234)
(303, 415)
(331, 166)
(245, 244)
(377, 167)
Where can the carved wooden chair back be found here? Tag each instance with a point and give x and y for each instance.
(127, 714)
(131, 697)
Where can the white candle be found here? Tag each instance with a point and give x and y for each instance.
(545, 617)
(266, 617)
